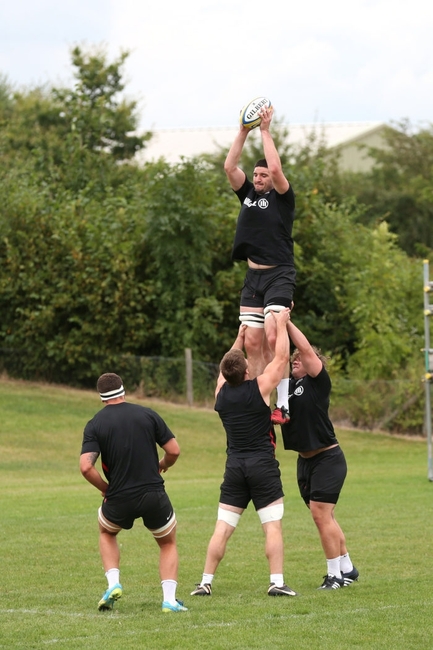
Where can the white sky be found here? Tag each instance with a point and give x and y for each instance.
(194, 63)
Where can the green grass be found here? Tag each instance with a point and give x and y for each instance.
(51, 571)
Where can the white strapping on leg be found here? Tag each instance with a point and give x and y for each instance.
(252, 319)
(229, 517)
(270, 308)
(271, 513)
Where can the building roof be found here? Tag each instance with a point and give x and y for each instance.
(175, 144)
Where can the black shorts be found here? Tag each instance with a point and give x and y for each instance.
(153, 507)
(251, 478)
(321, 477)
(263, 287)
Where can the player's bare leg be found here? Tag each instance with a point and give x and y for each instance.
(168, 556)
(253, 318)
(109, 549)
(110, 555)
(280, 415)
(168, 570)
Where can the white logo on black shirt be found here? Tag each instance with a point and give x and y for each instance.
(298, 391)
(263, 203)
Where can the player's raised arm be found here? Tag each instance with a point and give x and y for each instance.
(235, 175)
(279, 181)
(310, 360)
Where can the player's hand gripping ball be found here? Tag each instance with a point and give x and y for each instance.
(249, 116)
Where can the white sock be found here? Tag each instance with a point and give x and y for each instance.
(346, 565)
(113, 577)
(206, 579)
(283, 393)
(334, 567)
(277, 579)
(169, 591)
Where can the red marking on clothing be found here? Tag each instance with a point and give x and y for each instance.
(273, 437)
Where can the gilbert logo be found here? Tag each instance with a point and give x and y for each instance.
(299, 390)
(263, 203)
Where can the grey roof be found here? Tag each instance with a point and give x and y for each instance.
(173, 144)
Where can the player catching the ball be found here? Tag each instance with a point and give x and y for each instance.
(264, 239)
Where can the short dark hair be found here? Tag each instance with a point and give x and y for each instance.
(233, 367)
(108, 381)
(261, 163)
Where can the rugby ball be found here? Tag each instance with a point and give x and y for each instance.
(249, 116)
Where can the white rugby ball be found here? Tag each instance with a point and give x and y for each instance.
(249, 116)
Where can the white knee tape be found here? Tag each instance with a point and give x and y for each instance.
(271, 513)
(270, 308)
(231, 518)
(252, 319)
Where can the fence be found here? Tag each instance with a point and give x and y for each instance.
(396, 406)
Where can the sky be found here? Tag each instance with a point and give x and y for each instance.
(195, 63)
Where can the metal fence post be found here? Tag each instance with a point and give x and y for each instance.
(188, 370)
(428, 355)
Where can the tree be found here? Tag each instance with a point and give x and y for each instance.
(185, 255)
(385, 305)
(92, 115)
(398, 189)
(75, 137)
(68, 292)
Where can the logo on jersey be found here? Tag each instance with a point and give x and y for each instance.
(261, 203)
(298, 391)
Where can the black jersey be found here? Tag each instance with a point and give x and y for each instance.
(264, 226)
(310, 427)
(246, 419)
(126, 436)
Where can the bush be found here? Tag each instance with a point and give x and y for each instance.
(396, 406)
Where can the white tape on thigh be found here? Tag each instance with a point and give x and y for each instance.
(270, 308)
(271, 513)
(252, 319)
(231, 518)
(166, 529)
(110, 527)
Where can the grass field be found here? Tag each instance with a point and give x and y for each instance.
(51, 572)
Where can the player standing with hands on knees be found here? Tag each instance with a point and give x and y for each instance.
(126, 436)
(252, 472)
(264, 239)
(321, 467)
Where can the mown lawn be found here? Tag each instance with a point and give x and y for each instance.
(52, 577)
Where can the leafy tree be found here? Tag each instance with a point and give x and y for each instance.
(398, 189)
(92, 116)
(186, 259)
(69, 297)
(75, 137)
(68, 292)
(386, 306)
